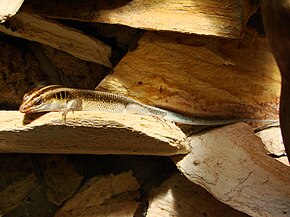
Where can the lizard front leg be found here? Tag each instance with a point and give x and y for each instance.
(72, 105)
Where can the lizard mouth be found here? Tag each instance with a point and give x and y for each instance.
(25, 108)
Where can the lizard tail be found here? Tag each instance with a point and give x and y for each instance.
(182, 119)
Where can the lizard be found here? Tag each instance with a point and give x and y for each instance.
(57, 98)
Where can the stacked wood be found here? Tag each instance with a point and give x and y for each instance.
(222, 68)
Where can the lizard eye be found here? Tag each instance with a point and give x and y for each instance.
(38, 101)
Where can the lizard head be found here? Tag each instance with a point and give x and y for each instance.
(40, 100)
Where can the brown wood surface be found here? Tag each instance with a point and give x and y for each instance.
(91, 133)
(201, 76)
(209, 17)
(48, 32)
(232, 164)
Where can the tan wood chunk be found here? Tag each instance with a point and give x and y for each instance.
(232, 164)
(201, 76)
(48, 32)
(61, 177)
(8, 8)
(210, 17)
(178, 197)
(111, 195)
(91, 133)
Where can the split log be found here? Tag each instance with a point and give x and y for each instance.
(91, 133)
(104, 196)
(201, 76)
(178, 197)
(232, 164)
(220, 18)
(8, 8)
(48, 32)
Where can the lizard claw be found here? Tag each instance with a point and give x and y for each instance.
(64, 113)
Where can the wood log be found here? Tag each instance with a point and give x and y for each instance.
(104, 196)
(200, 76)
(178, 197)
(48, 32)
(8, 8)
(91, 133)
(232, 164)
(220, 18)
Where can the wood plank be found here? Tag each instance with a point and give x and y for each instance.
(201, 76)
(210, 17)
(232, 164)
(8, 8)
(48, 32)
(91, 133)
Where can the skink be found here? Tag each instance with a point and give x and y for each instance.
(62, 99)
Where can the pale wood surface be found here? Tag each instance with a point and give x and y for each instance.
(210, 17)
(48, 32)
(178, 197)
(232, 164)
(8, 8)
(91, 133)
(201, 76)
(111, 195)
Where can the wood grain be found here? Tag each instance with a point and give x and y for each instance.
(91, 133)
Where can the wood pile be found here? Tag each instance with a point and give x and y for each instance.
(199, 58)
